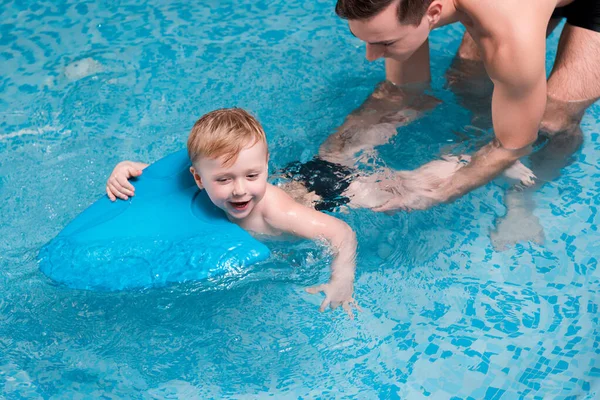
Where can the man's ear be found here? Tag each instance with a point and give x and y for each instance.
(196, 178)
(434, 13)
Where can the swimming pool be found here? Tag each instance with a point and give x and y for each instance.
(86, 84)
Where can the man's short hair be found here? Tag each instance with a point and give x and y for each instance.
(224, 133)
(409, 11)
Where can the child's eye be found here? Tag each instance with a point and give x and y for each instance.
(222, 180)
(252, 176)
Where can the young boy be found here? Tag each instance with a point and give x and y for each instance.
(229, 155)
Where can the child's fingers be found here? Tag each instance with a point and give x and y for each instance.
(110, 195)
(315, 289)
(125, 185)
(117, 192)
(117, 188)
(134, 171)
(335, 304)
(324, 304)
(116, 182)
(348, 309)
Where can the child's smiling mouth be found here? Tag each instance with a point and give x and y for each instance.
(239, 205)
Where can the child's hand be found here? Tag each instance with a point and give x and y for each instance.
(118, 183)
(338, 292)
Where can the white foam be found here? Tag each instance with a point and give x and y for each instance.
(33, 131)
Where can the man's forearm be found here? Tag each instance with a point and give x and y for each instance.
(489, 162)
(387, 98)
(388, 107)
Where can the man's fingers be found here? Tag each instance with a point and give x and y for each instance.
(392, 205)
(315, 289)
(387, 206)
(450, 158)
(529, 180)
(383, 207)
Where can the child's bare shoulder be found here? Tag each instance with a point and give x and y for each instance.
(276, 199)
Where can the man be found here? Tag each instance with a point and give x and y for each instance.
(509, 38)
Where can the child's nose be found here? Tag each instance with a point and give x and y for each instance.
(239, 189)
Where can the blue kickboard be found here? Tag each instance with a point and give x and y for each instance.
(168, 232)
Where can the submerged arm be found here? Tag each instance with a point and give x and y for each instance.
(396, 101)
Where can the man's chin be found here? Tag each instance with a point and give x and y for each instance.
(399, 58)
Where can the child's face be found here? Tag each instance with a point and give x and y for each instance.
(238, 188)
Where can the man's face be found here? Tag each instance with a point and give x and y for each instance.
(238, 188)
(386, 37)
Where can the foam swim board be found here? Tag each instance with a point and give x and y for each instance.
(168, 232)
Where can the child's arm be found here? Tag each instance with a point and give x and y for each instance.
(285, 214)
(118, 182)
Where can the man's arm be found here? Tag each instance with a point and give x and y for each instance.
(517, 111)
(396, 101)
(518, 103)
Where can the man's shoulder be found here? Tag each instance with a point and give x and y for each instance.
(499, 15)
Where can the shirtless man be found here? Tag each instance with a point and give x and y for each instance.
(509, 38)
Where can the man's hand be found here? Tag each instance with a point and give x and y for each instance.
(118, 184)
(520, 173)
(434, 183)
(338, 292)
(424, 187)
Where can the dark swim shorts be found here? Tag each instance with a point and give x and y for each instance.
(581, 13)
(326, 179)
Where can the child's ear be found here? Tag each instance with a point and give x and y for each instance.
(197, 178)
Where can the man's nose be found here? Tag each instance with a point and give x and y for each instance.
(239, 188)
(374, 52)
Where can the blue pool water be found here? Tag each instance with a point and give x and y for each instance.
(85, 84)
